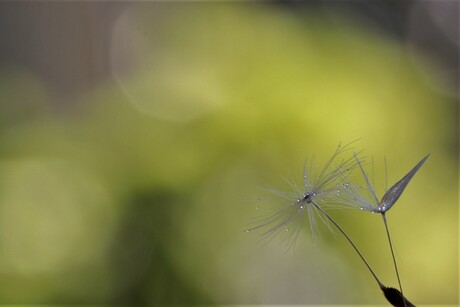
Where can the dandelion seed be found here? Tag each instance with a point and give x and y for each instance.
(393, 194)
(373, 205)
(302, 204)
(390, 197)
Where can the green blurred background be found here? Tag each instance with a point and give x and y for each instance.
(135, 138)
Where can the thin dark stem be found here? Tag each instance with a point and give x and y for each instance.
(352, 244)
(393, 255)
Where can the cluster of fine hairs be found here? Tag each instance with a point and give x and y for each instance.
(328, 188)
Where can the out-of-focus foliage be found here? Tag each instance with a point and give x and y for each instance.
(142, 192)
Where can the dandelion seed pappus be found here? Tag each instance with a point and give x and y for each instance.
(289, 211)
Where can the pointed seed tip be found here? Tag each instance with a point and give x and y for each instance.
(424, 159)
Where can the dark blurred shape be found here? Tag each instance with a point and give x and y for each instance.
(65, 43)
(389, 16)
(143, 270)
(433, 31)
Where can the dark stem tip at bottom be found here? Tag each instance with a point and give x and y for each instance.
(395, 297)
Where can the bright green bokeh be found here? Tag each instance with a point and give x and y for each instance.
(143, 195)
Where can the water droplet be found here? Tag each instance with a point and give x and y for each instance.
(248, 230)
(302, 206)
(361, 208)
(287, 229)
(338, 190)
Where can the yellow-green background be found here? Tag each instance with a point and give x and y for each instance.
(140, 190)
